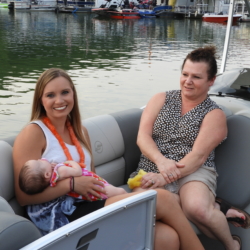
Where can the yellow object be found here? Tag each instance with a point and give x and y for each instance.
(136, 181)
(172, 3)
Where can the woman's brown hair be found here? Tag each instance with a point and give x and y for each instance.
(207, 55)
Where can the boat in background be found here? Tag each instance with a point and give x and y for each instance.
(72, 9)
(241, 8)
(156, 11)
(147, 13)
(245, 18)
(124, 14)
(104, 8)
(219, 18)
(33, 5)
(74, 6)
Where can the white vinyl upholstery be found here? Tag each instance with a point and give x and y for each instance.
(5, 206)
(232, 159)
(107, 148)
(106, 138)
(7, 177)
(11, 224)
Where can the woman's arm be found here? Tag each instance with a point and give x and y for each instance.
(67, 171)
(146, 142)
(30, 144)
(213, 130)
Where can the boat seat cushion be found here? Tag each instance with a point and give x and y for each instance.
(10, 140)
(18, 228)
(7, 177)
(6, 171)
(129, 121)
(5, 206)
(113, 140)
(107, 148)
(232, 160)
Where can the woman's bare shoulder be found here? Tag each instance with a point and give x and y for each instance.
(161, 96)
(156, 102)
(217, 115)
(31, 137)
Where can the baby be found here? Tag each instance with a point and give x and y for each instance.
(37, 175)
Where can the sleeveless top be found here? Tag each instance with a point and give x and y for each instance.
(174, 134)
(54, 151)
(51, 215)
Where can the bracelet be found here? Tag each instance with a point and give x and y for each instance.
(72, 184)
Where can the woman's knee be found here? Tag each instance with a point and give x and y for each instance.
(166, 237)
(195, 210)
(164, 195)
(164, 202)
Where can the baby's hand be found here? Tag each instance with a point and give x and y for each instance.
(53, 164)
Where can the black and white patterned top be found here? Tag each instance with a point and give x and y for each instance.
(174, 134)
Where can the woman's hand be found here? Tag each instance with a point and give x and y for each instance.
(169, 169)
(86, 185)
(152, 180)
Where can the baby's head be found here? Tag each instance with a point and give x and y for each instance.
(35, 176)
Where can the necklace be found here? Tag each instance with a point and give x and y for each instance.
(73, 138)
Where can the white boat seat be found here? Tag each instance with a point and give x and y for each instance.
(113, 140)
(5, 206)
(116, 155)
(107, 148)
(16, 231)
(12, 226)
(232, 159)
(7, 177)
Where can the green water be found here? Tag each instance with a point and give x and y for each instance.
(115, 64)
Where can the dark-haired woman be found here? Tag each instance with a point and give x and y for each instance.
(178, 133)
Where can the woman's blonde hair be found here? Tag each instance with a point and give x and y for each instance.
(74, 116)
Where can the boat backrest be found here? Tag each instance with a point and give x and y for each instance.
(12, 225)
(232, 159)
(113, 140)
(7, 177)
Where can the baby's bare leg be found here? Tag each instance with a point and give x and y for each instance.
(113, 191)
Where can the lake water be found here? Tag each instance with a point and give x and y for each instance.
(115, 64)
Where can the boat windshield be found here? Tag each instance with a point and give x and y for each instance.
(234, 83)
